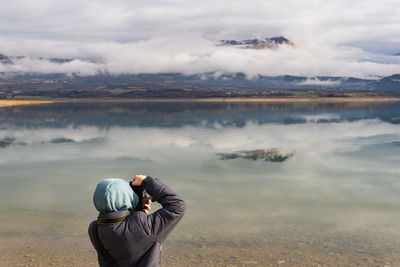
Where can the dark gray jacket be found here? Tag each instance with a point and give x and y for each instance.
(138, 239)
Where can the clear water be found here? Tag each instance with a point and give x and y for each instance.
(336, 201)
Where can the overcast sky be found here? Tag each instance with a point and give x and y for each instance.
(339, 38)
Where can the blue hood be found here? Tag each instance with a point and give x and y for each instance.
(113, 195)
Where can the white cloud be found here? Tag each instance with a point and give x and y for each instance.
(36, 65)
(180, 36)
(195, 55)
(316, 81)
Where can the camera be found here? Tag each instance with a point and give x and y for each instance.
(143, 196)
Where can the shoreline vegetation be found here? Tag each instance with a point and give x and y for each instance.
(15, 102)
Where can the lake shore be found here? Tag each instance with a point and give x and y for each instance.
(6, 102)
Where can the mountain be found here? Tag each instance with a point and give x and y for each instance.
(21, 84)
(59, 60)
(4, 59)
(266, 43)
(190, 86)
(388, 83)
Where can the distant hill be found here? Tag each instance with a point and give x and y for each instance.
(387, 83)
(179, 85)
(266, 43)
(4, 59)
(60, 60)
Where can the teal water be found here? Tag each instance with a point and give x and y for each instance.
(335, 201)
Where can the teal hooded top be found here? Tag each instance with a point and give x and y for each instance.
(113, 195)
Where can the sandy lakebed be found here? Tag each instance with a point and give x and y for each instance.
(8, 103)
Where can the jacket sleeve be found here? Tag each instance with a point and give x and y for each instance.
(163, 221)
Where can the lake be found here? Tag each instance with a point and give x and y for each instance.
(285, 184)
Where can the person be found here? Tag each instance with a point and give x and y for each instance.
(124, 237)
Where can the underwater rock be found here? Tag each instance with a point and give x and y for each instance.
(60, 140)
(6, 141)
(272, 155)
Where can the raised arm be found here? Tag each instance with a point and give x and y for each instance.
(163, 221)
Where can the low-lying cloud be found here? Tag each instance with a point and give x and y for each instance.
(316, 81)
(341, 38)
(197, 56)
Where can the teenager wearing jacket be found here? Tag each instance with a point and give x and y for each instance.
(124, 237)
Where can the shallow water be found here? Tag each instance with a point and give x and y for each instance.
(335, 202)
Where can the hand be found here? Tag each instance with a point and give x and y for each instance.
(147, 206)
(137, 181)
